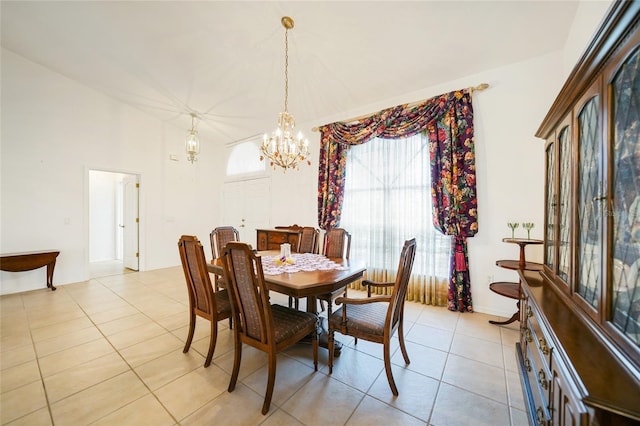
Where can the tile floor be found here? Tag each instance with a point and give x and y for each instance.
(109, 352)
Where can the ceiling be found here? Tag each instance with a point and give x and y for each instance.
(225, 60)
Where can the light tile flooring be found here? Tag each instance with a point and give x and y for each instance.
(109, 352)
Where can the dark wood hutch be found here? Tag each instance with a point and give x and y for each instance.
(579, 349)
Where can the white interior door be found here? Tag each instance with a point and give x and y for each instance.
(247, 207)
(131, 222)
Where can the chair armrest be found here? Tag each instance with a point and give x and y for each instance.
(371, 284)
(351, 301)
(377, 284)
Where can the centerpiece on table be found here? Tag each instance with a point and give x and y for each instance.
(285, 257)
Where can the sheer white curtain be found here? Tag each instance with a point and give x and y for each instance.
(387, 200)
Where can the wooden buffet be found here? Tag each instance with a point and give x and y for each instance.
(579, 348)
(270, 239)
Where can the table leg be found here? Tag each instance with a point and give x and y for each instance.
(50, 267)
(323, 332)
(514, 317)
(323, 338)
(522, 261)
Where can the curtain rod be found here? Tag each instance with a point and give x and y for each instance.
(472, 89)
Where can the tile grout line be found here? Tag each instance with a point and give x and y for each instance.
(131, 369)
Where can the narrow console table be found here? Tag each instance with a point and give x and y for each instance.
(512, 289)
(19, 262)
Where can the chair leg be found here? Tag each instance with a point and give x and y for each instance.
(315, 349)
(403, 348)
(237, 357)
(192, 327)
(270, 381)
(294, 302)
(212, 342)
(387, 368)
(330, 348)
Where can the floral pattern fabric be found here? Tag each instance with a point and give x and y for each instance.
(453, 189)
(448, 121)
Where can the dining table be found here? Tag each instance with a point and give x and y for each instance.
(310, 275)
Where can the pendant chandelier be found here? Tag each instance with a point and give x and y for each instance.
(192, 143)
(284, 148)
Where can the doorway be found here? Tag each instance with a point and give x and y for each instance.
(113, 223)
(247, 206)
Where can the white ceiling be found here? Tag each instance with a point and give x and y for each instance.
(226, 59)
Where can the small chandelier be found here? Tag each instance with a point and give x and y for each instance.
(192, 143)
(283, 148)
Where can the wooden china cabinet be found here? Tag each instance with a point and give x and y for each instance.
(579, 349)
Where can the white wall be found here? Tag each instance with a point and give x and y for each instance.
(53, 131)
(589, 15)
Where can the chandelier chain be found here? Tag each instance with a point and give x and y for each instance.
(286, 70)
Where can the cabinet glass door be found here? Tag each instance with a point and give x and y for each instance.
(625, 297)
(564, 205)
(549, 233)
(590, 202)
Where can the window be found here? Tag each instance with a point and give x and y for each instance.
(387, 200)
(245, 159)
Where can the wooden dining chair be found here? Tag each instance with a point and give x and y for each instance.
(266, 327)
(309, 240)
(219, 237)
(376, 318)
(337, 243)
(204, 302)
(308, 243)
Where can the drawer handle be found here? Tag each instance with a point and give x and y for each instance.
(540, 416)
(527, 364)
(529, 312)
(527, 335)
(542, 379)
(543, 346)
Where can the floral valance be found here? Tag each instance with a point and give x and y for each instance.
(401, 121)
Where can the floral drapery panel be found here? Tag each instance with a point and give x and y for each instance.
(448, 121)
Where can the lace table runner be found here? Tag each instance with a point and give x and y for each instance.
(302, 262)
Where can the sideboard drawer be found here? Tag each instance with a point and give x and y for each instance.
(541, 340)
(541, 359)
(536, 398)
(277, 238)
